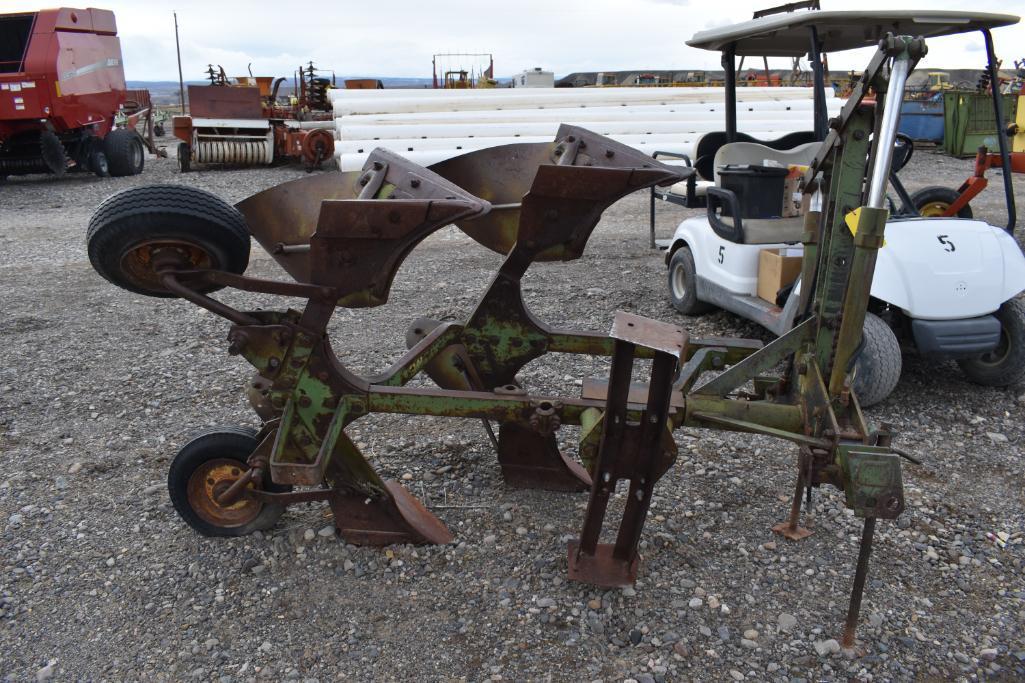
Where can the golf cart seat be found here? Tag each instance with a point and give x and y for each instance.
(706, 151)
(756, 225)
(757, 153)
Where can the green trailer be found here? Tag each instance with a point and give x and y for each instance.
(969, 123)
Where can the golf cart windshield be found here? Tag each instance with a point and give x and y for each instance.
(786, 35)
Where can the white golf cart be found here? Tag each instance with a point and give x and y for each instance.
(944, 287)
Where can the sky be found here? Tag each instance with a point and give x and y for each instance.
(397, 38)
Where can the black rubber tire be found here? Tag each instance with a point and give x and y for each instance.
(55, 157)
(877, 369)
(938, 195)
(903, 150)
(98, 163)
(682, 282)
(125, 152)
(1006, 365)
(184, 157)
(234, 443)
(171, 212)
(158, 130)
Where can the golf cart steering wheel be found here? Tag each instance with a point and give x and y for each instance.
(903, 148)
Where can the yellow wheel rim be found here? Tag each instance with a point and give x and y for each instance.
(934, 209)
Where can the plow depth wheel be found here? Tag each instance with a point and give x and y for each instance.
(131, 230)
(203, 470)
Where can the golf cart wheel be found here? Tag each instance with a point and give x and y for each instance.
(98, 163)
(1004, 365)
(184, 157)
(683, 279)
(933, 201)
(192, 227)
(204, 469)
(124, 152)
(877, 369)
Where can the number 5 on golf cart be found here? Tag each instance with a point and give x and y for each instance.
(944, 287)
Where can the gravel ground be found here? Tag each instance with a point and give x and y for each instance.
(100, 579)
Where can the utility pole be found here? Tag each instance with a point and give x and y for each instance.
(181, 81)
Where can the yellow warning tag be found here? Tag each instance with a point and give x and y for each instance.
(851, 219)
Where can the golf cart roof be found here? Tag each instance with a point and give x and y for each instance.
(786, 35)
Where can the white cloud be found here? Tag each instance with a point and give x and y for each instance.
(399, 37)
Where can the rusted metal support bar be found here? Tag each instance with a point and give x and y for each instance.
(858, 590)
(629, 449)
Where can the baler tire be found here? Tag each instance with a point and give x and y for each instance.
(184, 157)
(125, 153)
(98, 163)
(1005, 365)
(878, 366)
(231, 444)
(211, 232)
(52, 151)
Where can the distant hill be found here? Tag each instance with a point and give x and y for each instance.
(166, 92)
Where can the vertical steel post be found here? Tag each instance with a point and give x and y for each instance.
(728, 65)
(1005, 158)
(819, 81)
(181, 80)
(651, 216)
(887, 134)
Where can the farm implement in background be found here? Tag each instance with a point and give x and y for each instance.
(343, 236)
(243, 121)
(62, 85)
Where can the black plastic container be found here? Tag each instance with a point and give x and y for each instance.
(759, 189)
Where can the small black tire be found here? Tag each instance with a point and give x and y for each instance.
(207, 231)
(98, 164)
(158, 130)
(682, 280)
(878, 366)
(125, 153)
(1005, 365)
(184, 157)
(934, 200)
(208, 449)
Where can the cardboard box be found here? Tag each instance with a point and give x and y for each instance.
(777, 268)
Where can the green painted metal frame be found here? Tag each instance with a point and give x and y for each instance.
(308, 398)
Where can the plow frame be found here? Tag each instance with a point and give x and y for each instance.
(369, 221)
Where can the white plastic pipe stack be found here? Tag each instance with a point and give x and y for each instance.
(391, 101)
(428, 126)
(428, 131)
(655, 112)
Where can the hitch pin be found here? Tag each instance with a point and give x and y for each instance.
(904, 454)
(235, 490)
(282, 248)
